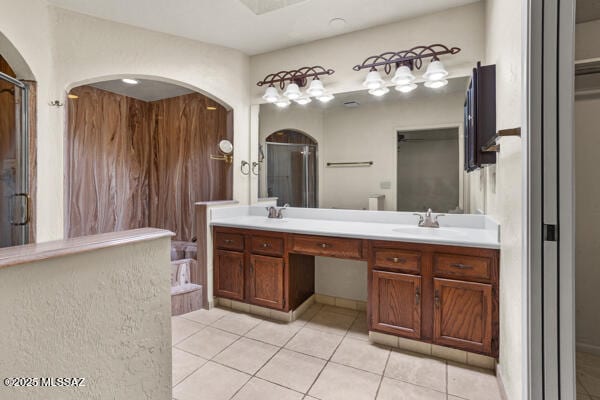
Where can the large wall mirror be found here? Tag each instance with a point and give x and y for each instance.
(398, 152)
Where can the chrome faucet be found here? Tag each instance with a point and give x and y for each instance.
(427, 221)
(276, 212)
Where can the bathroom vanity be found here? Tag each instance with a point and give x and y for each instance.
(437, 285)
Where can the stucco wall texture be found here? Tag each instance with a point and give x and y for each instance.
(102, 315)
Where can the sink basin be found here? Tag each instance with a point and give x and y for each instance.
(422, 231)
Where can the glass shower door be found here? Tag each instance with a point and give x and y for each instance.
(291, 174)
(14, 162)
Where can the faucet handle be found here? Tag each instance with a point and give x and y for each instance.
(437, 216)
(421, 218)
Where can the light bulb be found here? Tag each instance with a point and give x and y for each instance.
(282, 102)
(326, 97)
(436, 84)
(379, 91)
(303, 100)
(406, 88)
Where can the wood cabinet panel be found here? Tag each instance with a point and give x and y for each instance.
(267, 245)
(229, 274)
(463, 315)
(328, 246)
(230, 241)
(396, 303)
(458, 266)
(267, 281)
(406, 261)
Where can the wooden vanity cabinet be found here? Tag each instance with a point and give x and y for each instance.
(266, 281)
(446, 295)
(229, 274)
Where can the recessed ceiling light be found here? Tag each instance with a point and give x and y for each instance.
(130, 81)
(337, 23)
(72, 96)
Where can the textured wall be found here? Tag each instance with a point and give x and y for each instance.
(103, 315)
(134, 164)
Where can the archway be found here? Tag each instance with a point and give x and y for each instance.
(138, 155)
(291, 172)
(17, 147)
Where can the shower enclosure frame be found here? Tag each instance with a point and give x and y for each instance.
(22, 228)
(306, 163)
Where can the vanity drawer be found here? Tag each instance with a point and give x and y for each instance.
(409, 261)
(328, 246)
(462, 267)
(267, 245)
(229, 241)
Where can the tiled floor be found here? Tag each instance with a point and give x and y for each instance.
(221, 354)
(588, 377)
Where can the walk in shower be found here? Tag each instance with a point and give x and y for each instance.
(15, 208)
(291, 169)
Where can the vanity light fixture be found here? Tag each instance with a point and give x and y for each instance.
(295, 80)
(326, 97)
(130, 81)
(405, 62)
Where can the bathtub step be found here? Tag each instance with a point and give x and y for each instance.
(186, 298)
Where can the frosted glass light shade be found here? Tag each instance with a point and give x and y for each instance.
(316, 88)
(379, 91)
(326, 97)
(373, 80)
(403, 76)
(271, 94)
(292, 91)
(436, 84)
(303, 100)
(435, 71)
(406, 88)
(282, 102)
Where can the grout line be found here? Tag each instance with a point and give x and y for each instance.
(387, 360)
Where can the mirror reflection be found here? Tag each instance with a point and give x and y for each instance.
(397, 152)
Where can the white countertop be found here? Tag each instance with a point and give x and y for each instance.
(484, 235)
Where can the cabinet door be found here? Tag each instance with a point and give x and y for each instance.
(396, 303)
(463, 315)
(267, 281)
(229, 274)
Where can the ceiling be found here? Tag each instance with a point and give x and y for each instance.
(145, 90)
(587, 10)
(256, 26)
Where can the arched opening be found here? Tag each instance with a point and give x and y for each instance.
(138, 155)
(291, 175)
(17, 148)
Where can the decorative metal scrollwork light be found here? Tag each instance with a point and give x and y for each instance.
(295, 80)
(406, 61)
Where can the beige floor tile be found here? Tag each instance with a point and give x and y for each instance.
(208, 342)
(211, 382)
(274, 332)
(472, 383)
(258, 389)
(237, 323)
(206, 317)
(310, 312)
(418, 369)
(184, 364)
(246, 355)
(362, 355)
(392, 389)
(292, 370)
(359, 328)
(182, 328)
(340, 310)
(327, 321)
(315, 343)
(450, 397)
(338, 382)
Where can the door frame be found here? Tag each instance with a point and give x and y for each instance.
(549, 90)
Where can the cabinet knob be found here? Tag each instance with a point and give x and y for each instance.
(461, 266)
(417, 295)
(324, 245)
(228, 241)
(436, 299)
(265, 245)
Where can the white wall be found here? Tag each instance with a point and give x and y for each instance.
(504, 193)
(66, 49)
(461, 27)
(103, 315)
(587, 43)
